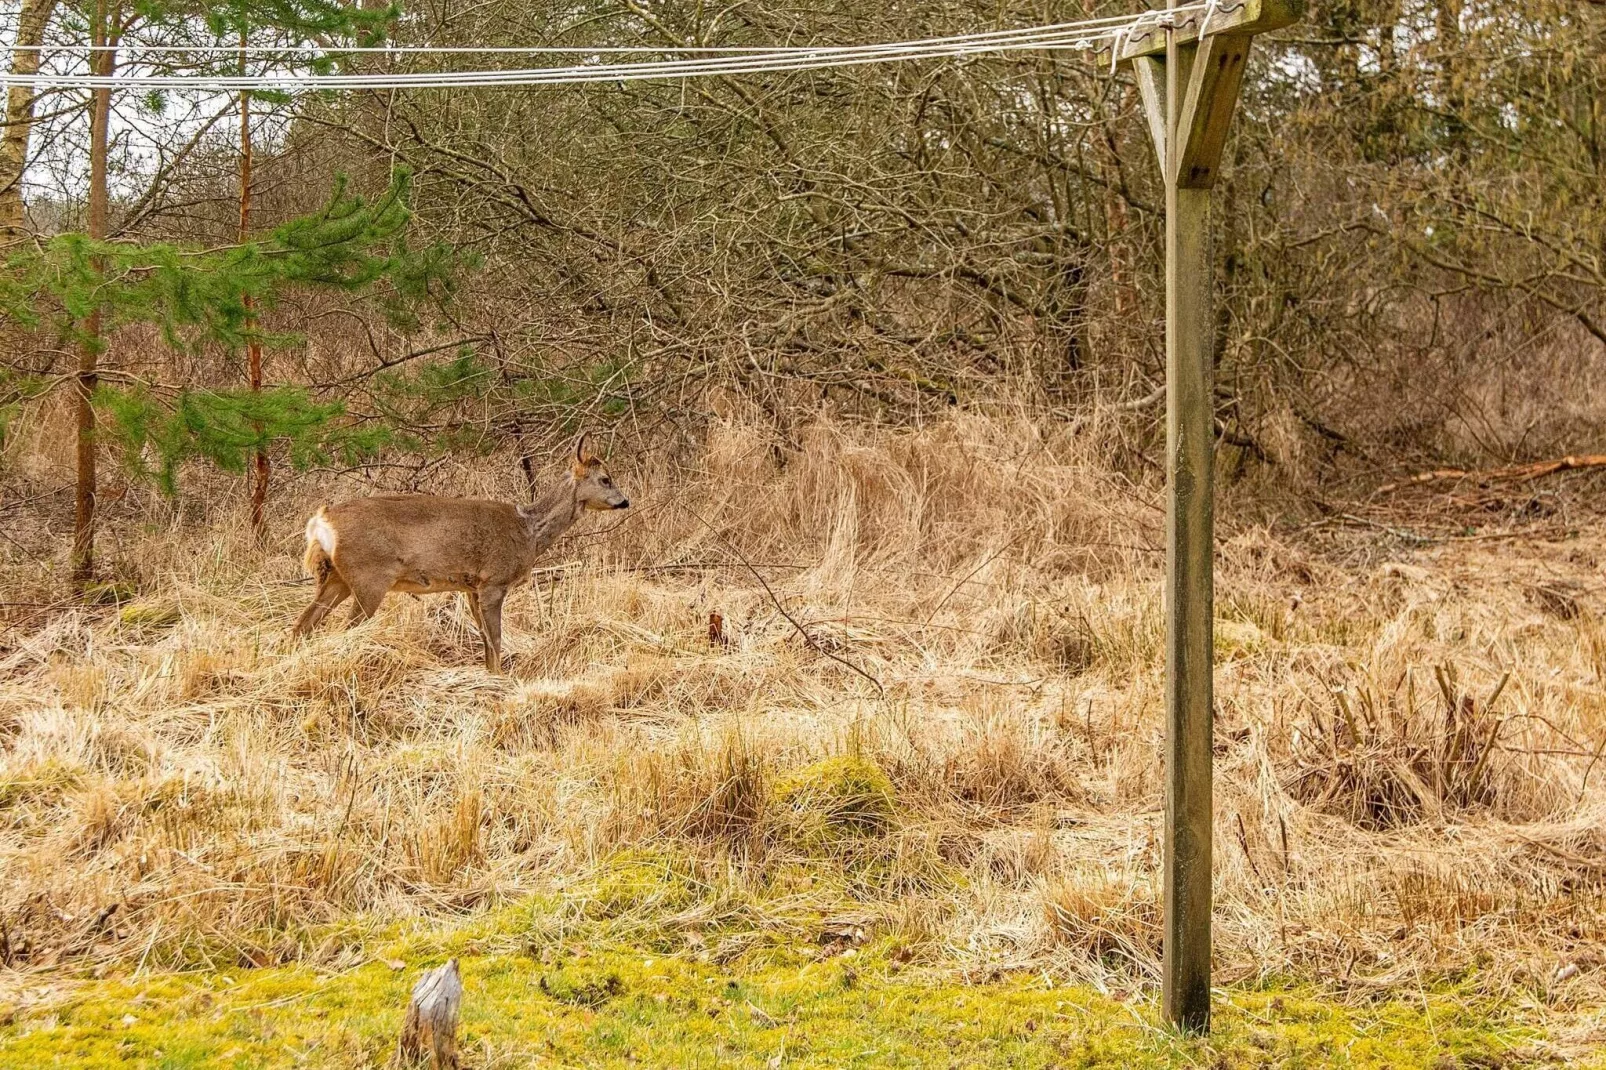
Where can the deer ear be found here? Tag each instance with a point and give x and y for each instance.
(580, 454)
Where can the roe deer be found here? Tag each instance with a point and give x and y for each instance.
(421, 544)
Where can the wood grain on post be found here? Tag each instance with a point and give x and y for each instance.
(1190, 434)
(431, 1026)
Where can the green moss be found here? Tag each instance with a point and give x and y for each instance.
(110, 593)
(628, 969)
(613, 1006)
(582, 986)
(661, 882)
(1237, 637)
(150, 614)
(841, 796)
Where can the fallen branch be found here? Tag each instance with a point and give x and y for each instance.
(1516, 472)
(1420, 539)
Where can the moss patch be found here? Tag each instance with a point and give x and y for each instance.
(150, 613)
(841, 796)
(556, 1002)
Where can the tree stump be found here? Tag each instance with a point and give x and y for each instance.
(431, 1026)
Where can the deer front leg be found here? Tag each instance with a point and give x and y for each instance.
(489, 603)
(478, 611)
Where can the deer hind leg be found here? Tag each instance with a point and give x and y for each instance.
(331, 592)
(368, 592)
(488, 603)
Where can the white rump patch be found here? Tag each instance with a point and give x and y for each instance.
(320, 531)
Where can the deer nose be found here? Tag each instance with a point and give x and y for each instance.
(624, 503)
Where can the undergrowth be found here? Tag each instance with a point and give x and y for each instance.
(929, 719)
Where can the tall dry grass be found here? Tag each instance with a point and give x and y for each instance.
(936, 711)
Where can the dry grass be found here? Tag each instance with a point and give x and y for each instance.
(180, 784)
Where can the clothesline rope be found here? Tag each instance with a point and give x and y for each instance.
(221, 48)
(710, 61)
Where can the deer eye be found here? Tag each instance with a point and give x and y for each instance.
(605, 481)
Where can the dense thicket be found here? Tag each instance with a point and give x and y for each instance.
(1409, 235)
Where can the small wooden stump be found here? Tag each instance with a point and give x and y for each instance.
(431, 1026)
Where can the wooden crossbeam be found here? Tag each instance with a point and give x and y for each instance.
(1207, 106)
(1151, 87)
(1233, 18)
(1208, 78)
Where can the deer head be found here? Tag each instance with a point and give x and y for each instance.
(593, 487)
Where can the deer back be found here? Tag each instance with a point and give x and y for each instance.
(426, 538)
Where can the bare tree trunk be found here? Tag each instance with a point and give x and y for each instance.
(261, 468)
(83, 543)
(1386, 30)
(1452, 95)
(32, 21)
(1597, 119)
(1115, 229)
(1115, 213)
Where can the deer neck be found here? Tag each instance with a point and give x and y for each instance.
(550, 515)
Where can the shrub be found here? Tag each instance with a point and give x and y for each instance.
(1105, 919)
(1382, 759)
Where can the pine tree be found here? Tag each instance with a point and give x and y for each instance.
(201, 299)
(284, 21)
(105, 26)
(317, 18)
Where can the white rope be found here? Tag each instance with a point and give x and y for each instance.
(654, 50)
(522, 76)
(1118, 45)
(1063, 35)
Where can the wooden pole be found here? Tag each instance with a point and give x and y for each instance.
(1189, 546)
(1188, 80)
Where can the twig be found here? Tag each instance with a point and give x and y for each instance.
(44, 609)
(156, 930)
(1243, 841)
(1428, 540)
(971, 574)
(1143, 402)
(813, 644)
(1398, 533)
(1590, 768)
(1562, 853)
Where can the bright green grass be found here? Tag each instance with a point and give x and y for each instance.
(612, 1006)
(599, 978)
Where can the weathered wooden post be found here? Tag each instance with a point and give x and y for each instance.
(1189, 66)
(430, 1030)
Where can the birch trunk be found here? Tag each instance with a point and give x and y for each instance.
(32, 21)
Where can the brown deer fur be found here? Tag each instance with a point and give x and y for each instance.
(422, 544)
